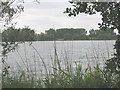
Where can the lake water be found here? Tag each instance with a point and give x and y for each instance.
(68, 52)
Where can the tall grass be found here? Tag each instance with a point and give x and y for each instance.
(60, 77)
(66, 79)
(79, 79)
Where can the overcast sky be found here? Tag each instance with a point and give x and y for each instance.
(49, 14)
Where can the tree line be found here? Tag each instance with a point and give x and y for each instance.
(21, 34)
(28, 34)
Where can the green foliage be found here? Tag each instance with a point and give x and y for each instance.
(11, 37)
(110, 12)
(27, 34)
(66, 78)
(70, 77)
(103, 35)
(113, 66)
(78, 79)
(16, 35)
(20, 81)
(9, 10)
(75, 34)
(61, 34)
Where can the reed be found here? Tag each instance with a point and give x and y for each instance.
(60, 76)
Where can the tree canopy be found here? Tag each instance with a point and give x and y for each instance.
(110, 12)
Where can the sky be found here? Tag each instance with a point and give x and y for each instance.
(49, 14)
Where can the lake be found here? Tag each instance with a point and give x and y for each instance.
(68, 52)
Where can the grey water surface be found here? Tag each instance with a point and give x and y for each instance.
(68, 52)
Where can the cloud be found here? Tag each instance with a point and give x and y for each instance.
(47, 15)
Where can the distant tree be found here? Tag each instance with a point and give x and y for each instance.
(80, 37)
(76, 37)
(102, 35)
(61, 32)
(42, 37)
(75, 34)
(67, 36)
(50, 31)
(27, 34)
(50, 34)
(92, 33)
(10, 35)
(16, 35)
(110, 12)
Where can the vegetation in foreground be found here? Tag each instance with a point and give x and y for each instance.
(66, 78)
